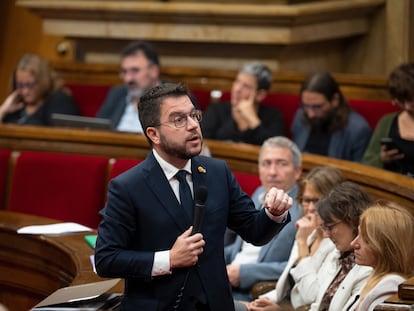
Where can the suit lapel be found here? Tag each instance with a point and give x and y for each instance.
(199, 174)
(161, 189)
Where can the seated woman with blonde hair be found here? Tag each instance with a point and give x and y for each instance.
(36, 94)
(384, 242)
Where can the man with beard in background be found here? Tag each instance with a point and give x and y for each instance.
(325, 124)
(140, 70)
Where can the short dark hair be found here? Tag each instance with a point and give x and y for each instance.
(345, 202)
(141, 46)
(149, 107)
(401, 83)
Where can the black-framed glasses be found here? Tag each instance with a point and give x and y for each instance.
(329, 227)
(180, 120)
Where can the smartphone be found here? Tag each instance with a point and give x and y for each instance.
(389, 143)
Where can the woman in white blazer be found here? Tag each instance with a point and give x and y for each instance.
(310, 248)
(384, 242)
(334, 285)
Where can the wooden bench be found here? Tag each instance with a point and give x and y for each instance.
(240, 157)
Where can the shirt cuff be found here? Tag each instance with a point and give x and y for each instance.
(281, 218)
(161, 264)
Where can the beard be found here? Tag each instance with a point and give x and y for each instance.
(178, 150)
(322, 123)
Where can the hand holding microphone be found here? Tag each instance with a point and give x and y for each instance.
(189, 245)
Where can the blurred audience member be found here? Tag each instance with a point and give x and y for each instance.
(398, 156)
(140, 70)
(339, 280)
(311, 247)
(37, 93)
(325, 124)
(280, 166)
(384, 242)
(245, 119)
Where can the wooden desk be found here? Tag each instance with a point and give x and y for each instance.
(34, 266)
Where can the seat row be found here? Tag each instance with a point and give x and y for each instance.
(66, 187)
(90, 97)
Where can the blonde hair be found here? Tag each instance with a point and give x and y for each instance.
(388, 229)
(44, 75)
(322, 178)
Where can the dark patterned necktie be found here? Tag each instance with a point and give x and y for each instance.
(186, 198)
(347, 261)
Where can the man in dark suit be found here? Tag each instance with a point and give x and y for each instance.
(146, 235)
(140, 70)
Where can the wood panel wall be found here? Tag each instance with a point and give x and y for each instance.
(388, 42)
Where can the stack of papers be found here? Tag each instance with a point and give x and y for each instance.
(60, 228)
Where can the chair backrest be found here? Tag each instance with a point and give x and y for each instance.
(248, 182)
(4, 173)
(89, 97)
(65, 187)
(121, 165)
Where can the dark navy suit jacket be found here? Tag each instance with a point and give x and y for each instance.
(142, 216)
(114, 105)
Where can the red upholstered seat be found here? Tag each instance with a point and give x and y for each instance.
(248, 182)
(4, 171)
(372, 110)
(88, 97)
(120, 165)
(61, 186)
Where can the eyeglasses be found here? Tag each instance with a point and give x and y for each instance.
(180, 120)
(317, 107)
(27, 85)
(329, 227)
(132, 71)
(307, 201)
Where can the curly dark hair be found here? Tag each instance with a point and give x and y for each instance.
(345, 202)
(401, 83)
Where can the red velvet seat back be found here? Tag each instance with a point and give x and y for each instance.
(61, 186)
(372, 110)
(88, 97)
(121, 165)
(248, 182)
(4, 171)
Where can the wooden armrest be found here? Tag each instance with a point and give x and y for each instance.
(262, 287)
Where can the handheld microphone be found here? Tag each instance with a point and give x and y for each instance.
(200, 204)
(201, 198)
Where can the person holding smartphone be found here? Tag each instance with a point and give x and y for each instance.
(392, 144)
(36, 94)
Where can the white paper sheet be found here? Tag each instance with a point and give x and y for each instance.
(66, 227)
